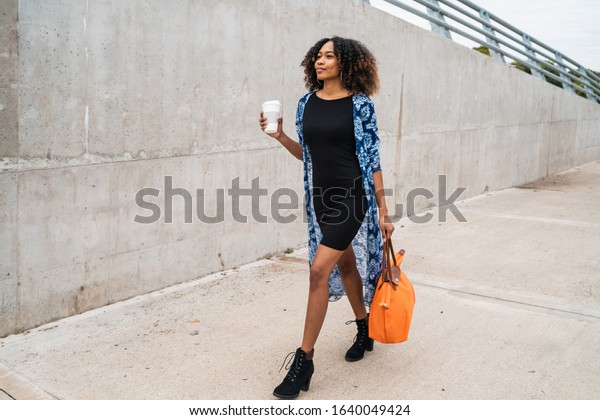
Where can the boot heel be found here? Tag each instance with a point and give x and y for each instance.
(298, 377)
(306, 384)
(369, 346)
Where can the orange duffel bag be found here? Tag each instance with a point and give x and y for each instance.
(393, 302)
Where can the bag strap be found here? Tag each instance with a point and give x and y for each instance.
(386, 267)
(386, 256)
(391, 248)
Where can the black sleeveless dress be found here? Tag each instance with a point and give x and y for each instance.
(338, 196)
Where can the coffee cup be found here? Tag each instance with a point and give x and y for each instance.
(272, 111)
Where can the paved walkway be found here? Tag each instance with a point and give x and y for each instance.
(508, 307)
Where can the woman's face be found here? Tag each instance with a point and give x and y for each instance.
(327, 65)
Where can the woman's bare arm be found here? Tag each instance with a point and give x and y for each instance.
(292, 146)
(387, 228)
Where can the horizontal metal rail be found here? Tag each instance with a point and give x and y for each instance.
(519, 32)
(579, 77)
(495, 28)
(558, 67)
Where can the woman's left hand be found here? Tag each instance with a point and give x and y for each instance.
(386, 226)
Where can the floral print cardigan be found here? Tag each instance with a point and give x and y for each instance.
(367, 244)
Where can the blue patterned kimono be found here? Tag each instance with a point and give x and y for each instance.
(367, 244)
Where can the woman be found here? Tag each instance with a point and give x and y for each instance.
(339, 147)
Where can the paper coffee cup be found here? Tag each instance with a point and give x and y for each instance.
(272, 111)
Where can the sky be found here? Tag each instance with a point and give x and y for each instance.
(569, 26)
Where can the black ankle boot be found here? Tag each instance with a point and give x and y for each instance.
(362, 341)
(298, 377)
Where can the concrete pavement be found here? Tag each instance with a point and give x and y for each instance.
(508, 307)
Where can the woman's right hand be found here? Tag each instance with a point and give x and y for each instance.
(262, 121)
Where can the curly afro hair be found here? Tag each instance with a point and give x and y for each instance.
(359, 67)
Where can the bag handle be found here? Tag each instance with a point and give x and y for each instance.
(386, 268)
(391, 248)
(384, 264)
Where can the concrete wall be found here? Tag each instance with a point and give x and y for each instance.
(101, 99)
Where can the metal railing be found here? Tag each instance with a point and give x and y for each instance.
(504, 40)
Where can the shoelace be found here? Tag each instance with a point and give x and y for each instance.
(355, 320)
(292, 370)
(359, 331)
(287, 367)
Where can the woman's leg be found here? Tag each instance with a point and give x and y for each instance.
(318, 294)
(302, 368)
(352, 282)
(354, 290)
